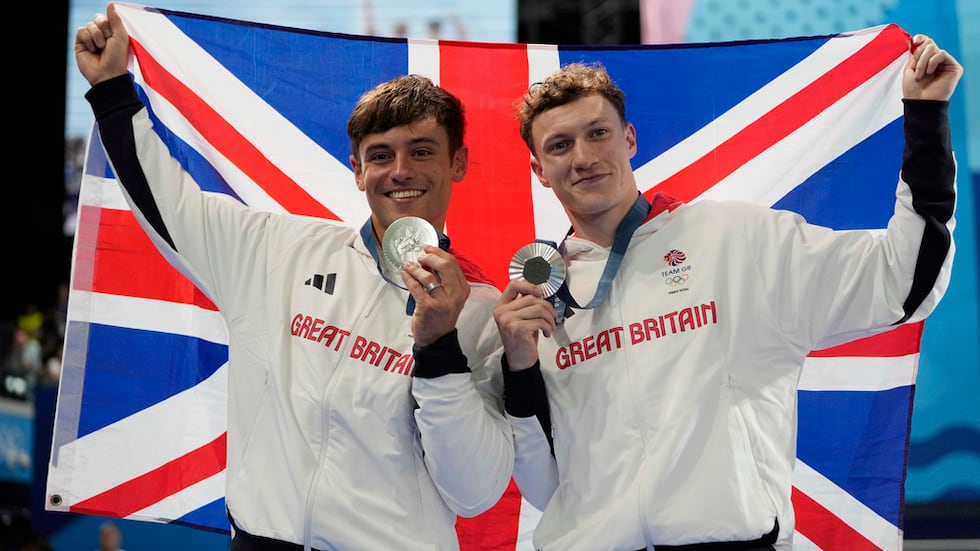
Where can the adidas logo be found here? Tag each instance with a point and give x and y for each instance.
(322, 282)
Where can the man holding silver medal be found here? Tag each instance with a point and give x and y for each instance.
(364, 390)
(661, 412)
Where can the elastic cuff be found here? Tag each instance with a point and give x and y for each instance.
(523, 389)
(115, 95)
(440, 358)
(928, 166)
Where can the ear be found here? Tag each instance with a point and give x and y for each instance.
(358, 174)
(539, 172)
(631, 139)
(460, 163)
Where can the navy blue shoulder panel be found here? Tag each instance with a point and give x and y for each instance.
(114, 103)
(929, 169)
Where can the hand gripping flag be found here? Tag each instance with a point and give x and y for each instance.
(259, 113)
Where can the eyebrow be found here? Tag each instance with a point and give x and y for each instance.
(598, 121)
(421, 140)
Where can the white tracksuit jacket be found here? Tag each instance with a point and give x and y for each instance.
(673, 404)
(337, 437)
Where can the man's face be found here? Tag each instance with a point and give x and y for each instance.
(582, 152)
(408, 171)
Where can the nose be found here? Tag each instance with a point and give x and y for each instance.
(401, 169)
(583, 157)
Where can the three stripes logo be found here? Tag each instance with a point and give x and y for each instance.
(322, 282)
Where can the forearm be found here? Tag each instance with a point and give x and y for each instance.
(929, 170)
(468, 447)
(529, 414)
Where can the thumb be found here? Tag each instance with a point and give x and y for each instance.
(115, 21)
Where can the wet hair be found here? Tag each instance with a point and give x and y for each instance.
(405, 100)
(571, 82)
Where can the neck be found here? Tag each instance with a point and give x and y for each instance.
(600, 231)
(600, 228)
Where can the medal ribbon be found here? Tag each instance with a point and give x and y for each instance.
(367, 235)
(624, 232)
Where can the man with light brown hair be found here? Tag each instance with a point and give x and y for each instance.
(662, 414)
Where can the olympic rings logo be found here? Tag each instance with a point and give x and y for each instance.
(676, 280)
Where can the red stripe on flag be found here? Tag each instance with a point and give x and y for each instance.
(901, 341)
(696, 178)
(226, 139)
(128, 264)
(170, 478)
(826, 529)
(491, 214)
(494, 530)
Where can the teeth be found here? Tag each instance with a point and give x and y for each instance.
(405, 194)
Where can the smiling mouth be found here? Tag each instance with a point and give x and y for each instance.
(589, 179)
(405, 193)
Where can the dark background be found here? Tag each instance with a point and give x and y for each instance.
(38, 254)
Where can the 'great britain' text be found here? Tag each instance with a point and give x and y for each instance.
(368, 351)
(614, 338)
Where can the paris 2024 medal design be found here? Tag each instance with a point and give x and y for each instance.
(403, 241)
(540, 264)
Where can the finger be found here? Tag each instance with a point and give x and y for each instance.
(428, 287)
(527, 321)
(416, 279)
(95, 34)
(925, 64)
(533, 302)
(916, 41)
(419, 290)
(427, 280)
(104, 24)
(113, 17)
(541, 310)
(91, 37)
(926, 57)
(547, 327)
(83, 41)
(519, 287)
(938, 61)
(526, 309)
(417, 272)
(410, 282)
(538, 318)
(444, 265)
(915, 46)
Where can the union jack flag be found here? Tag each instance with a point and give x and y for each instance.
(258, 112)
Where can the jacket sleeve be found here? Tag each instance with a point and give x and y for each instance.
(526, 404)
(466, 440)
(929, 171)
(207, 237)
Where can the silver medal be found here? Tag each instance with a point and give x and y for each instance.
(540, 264)
(404, 239)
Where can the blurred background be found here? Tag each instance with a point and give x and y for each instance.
(49, 119)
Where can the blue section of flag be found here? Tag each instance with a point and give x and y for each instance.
(666, 109)
(831, 198)
(203, 172)
(212, 515)
(96, 163)
(349, 66)
(139, 368)
(858, 440)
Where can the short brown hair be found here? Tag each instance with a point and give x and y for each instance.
(405, 100)
(571, 82)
